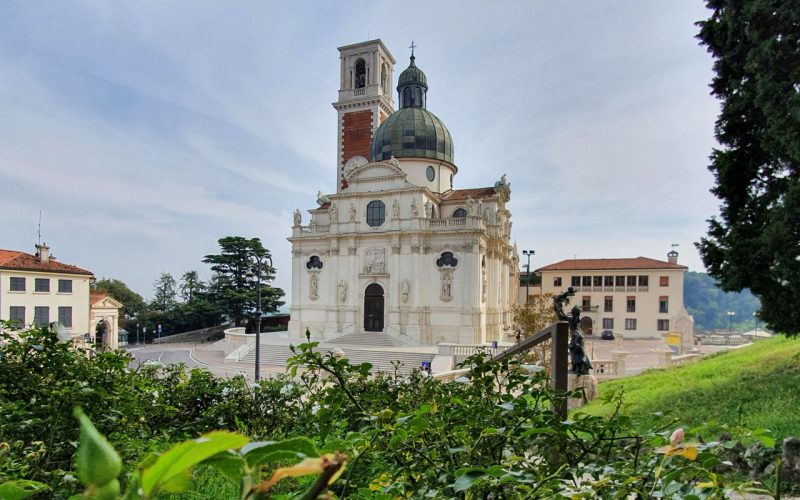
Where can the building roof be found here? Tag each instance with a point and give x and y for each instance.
(610, 264)
(464, 194)
(21, 261)
(97, 297)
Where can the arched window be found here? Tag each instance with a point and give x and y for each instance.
(361, 74)
(376, 213)
(447, 259)
(460, 213)
(314, 262)
(384, 77)
(407, 97)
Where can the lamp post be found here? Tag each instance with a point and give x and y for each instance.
(137, 334)
(755, 315)
(528, 254)
(259, 264)
(730, 314)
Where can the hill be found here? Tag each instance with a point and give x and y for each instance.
(757, 382)
(709, 304)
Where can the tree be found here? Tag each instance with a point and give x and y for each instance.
(134, 308)
(165, 291)
(234, 283)
(754, 241)
(191, 286)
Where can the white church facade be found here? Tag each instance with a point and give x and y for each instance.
(396, 252)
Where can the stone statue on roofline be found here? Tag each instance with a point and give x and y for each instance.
(322, 198)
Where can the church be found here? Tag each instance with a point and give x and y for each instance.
(397, 256)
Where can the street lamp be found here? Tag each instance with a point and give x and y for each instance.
(755, 315)
(259, 264)
(137, 334)
(528, 254)
(730, 314)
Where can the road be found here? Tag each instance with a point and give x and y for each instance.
(173, 355)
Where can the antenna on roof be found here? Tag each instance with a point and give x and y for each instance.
(39, 243)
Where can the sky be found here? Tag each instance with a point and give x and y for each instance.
(144, 131)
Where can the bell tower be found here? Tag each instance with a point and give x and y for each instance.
(365, 100)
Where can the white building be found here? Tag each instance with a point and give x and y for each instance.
(637, 297)
(396, 252)
(38, 290)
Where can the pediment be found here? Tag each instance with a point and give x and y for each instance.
(377, 176)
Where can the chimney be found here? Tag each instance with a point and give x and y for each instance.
(672, 257)
(43, 252)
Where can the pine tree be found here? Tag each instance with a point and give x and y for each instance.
(755, 242)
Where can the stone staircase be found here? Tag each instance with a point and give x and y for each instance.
(366, 338)
(380, 358)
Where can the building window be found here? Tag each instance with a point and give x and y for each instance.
(65, 316)
(575, 281)
(631, 304)
(41, 285)
(608, 323)
(17, 285)
(663, 325)
(619, 280)
(663, 281)
(557, 281)
(16, 315)
(597, 281)
(64, 286)
(632, 281)
(376, 213)
(314, 262)
(642, 280)
(663, 304)
(460, 213)
(608, 281)
(586, 303)
(630, 324)
(447, 259)
(608, 304)
(430, 173)
(587, 281)
(41, 315)
(361, 74)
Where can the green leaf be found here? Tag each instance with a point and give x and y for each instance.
(465, 481)
(268, 451)
(21, 488)
(97, 461)
(229, 464)
(181, 458)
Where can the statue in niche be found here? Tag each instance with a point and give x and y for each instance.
(487, 214)
(447, 285)
(414, 208)
(396, 208)
(352, 212)
(375, 262)
(342, 291)
(405, 291)
(480, 208)
(334, 214)
(313, 286)
(428, 209)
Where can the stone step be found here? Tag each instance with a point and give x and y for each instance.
(381, 360)
(366, 338)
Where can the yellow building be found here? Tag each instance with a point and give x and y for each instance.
(636, 297)
(38, 290)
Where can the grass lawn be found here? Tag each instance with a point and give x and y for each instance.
(763, 379)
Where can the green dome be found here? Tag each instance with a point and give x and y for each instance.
(412, 133)
(412, 74)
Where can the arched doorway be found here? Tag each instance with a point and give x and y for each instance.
(373, 308)
(101, 332)
(586, 325)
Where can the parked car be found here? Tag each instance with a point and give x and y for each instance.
(607, 335)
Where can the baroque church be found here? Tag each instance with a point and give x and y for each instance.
(396, 253)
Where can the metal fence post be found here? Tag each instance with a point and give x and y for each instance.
(560, 361)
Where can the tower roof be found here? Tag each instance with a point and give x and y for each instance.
(412, 74)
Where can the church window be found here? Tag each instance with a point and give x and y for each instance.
(361, 74)
(447, 259)
(430, 173)
(384, 76)
(376, 213)
(406, 97)
(460, 213)
(314, 262)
